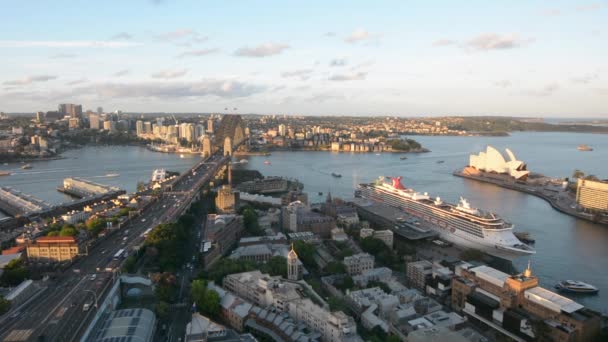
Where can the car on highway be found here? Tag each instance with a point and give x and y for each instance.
(93, 277)
(15, 314)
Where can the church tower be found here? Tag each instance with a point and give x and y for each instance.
(293, 269)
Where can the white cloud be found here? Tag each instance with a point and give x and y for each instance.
(590, 7)
(503, 83)
(63, 56)
(263, 50)
(329, 34)
(357, 36)
(551, 12)
(30, 80)
(167, 74)
(353, 76)
(493, 41)
(66, 44)
(78, 81)
(338, 62)
(121, 73)
(198, 53)
(121, 36)
(586, 78)
(443, 42)
(303, 74)
(546, 90)
(181, 35)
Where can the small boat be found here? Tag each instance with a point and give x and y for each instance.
(584, 148)
(403, 158)
(524, 237)
(244, 161)
(320, 193)
(112, 174)
(266, 162)
(377, 154)
(182, 156)
(575, 286)
(26, 167)
(5, 173)
(337, 175)
(440, 161)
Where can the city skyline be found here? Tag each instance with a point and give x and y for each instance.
(343, 58)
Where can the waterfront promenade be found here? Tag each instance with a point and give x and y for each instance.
(558, 198)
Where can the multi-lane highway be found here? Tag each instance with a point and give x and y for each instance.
(57, 313)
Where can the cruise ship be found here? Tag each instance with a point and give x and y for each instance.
(460, 224)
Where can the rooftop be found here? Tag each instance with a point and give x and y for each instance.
(490, 274)
(552, 300)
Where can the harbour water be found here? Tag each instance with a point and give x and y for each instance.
(567, 248)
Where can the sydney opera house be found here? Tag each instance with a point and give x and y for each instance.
(493, 161)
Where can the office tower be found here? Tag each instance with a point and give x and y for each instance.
(139, 127)
(73, 110)
(94, 121)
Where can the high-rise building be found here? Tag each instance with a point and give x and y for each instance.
(94, 121)
(73, 110)
(210, 125)
(293, 267)
(40, 117)
(282, 130)
(73, 123)
(148, 127)
(139, 127)
(592, 194)
(109, 125)
(226, 201)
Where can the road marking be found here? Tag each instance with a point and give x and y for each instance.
(63, 300)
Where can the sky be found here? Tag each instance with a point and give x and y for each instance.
(405, 58)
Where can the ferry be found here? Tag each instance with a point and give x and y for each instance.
(4, 173)
(26, 167)
(459, 224)
(337, 175)
(575, 286)
(266, 162)
(112, 174)
(584, 148)
(440, 161)
(403, 158)
(525, 237)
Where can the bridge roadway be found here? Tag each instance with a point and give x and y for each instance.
(57, 313)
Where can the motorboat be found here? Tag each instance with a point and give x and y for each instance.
(403, 158)
(575, 286)
(26, 167)
(266, 162)
(337, 175)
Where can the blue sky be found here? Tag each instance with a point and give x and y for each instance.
(409, 58)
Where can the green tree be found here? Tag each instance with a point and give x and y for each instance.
(276, 266)
(141, 186)
(95, 225)
(335, 267)
(471, 254)
(5, 305)
(14, 273)
(207, 301)
(306, 253)
(53, 233)
(130, 263)
(162, 310)
(250, 219)
(68, 231)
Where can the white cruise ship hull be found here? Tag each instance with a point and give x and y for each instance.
(497, 241)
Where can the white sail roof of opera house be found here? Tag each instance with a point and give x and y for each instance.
(493, 161)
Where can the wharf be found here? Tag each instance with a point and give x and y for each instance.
(391, 218)
(16, 203)
(555, 196)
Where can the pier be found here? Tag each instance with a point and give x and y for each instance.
(83, 188)
(16, 203)
(554, 195)
(391, 218)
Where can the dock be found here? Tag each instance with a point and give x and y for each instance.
(387, 217)
(83, 188)
(16, 203)
(556, 197)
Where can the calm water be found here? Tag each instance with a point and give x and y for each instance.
(566, 247)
